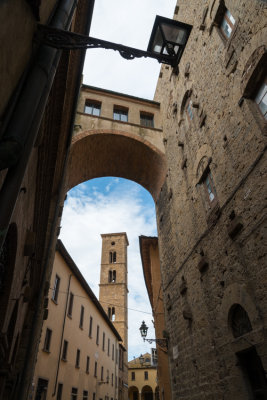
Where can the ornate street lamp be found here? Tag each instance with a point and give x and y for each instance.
(166, 44)
(163, 343)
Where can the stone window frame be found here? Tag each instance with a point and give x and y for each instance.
(133, 376)
(253, 75)
(146, 375)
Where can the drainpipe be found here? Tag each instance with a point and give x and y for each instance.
(22, 128)
(62, 336)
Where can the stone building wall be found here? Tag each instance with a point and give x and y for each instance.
(213, 255)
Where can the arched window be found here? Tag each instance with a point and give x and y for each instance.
(239, 321)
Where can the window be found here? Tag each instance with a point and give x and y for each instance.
(74, 393)
(112, 379)
(146, 375)
(97, 335)
(92, 107)
(189, 110)
(120, 113)
(112, 274)
(81, 317)
(147, 120)
(239, 320)
(113, 348)
(108, 347)
(103, 342)
(41, 390)
(90, 326)
(210, 188)
(261, 98)
(85, 395)
(102, 373)
(227, 24)
(94, 396)
(107, 376)
(112, 259)
(47, 340)
(59, 391)
(87, 364)
(95, 371)
(77, 363)
(56, 289)
(133, 376)
(70, 305)
(65, 350)
(111, 313)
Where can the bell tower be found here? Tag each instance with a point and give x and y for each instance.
(113, 287)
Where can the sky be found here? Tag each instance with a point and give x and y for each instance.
(127, 22)
(110, 205)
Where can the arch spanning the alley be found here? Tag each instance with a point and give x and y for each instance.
(100, 153)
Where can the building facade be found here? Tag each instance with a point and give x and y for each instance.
(149, 251)
(211, 218)
(39, 90)
(113, 295)
(142, 377)
(79, 353)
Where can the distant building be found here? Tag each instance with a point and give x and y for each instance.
(151, 267)
(80, 352)
(113, 296)
(142, 378)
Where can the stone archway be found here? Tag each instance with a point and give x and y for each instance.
(100, 153)
(147, 393)
(133, 393)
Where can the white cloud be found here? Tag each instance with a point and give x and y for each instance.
(88, 214)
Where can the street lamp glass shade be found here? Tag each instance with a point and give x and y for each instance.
(143, 329)
(169, 38)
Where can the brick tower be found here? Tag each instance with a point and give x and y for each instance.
(113, 285)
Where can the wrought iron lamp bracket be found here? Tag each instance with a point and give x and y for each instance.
(163, 343)
(66, 40)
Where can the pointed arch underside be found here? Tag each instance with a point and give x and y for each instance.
(96, 154)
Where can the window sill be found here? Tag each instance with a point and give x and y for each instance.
(69, 315)
(46, 351)
(81, 327)
(64, 359)
(54, 301)
(77, 366)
